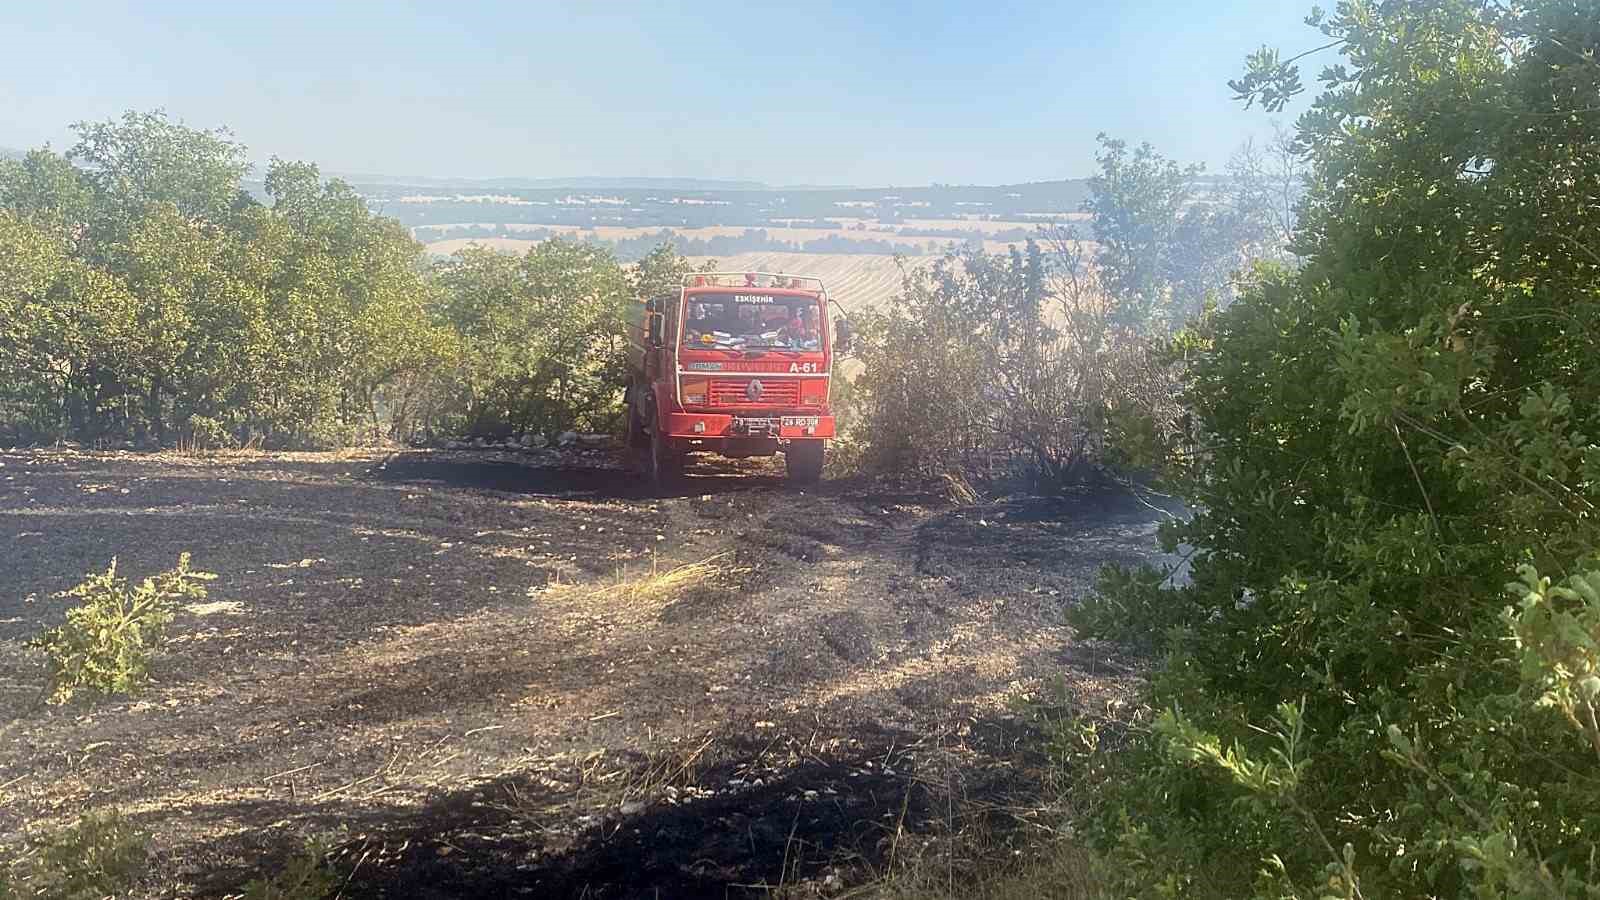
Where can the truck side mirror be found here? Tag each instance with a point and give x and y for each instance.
(842, 335)
(656, 325)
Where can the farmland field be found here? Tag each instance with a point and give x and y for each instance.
(856, 280)
(858, 230)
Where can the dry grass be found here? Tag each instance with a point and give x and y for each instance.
(598, 780)
(1064, 872)
(961, 489)
(649, 590)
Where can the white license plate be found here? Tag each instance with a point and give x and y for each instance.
(799, 421)
(754, 426)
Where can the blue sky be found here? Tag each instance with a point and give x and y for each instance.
(818, 93)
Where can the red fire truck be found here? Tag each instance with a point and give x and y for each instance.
(737, 364)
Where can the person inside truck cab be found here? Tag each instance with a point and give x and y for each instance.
(808, 335)
(749, 321)
(792, 332)
(699, 328)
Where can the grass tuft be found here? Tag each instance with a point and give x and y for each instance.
(653, 588)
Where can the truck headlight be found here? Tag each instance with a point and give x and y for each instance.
(813, 391)
(694, 391)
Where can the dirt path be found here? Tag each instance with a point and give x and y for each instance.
(449, 658)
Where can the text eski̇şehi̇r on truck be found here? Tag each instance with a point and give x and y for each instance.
(737, 364)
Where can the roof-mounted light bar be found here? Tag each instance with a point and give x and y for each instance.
(753, 279)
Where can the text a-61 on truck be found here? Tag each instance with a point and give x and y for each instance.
(737, 364)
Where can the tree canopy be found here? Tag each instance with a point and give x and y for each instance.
(146, 295)
(1355, 703)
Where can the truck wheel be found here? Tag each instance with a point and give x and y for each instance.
(804, 461)
(665, 463)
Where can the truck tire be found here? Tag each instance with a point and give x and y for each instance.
(664, 464)
(804, 460)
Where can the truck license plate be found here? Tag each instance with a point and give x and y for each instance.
(754, 426)
(799, 421)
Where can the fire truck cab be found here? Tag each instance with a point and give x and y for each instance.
(737, 364)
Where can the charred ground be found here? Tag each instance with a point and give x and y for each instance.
(437, 656)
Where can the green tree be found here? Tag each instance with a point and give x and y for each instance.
(1391, 433)
(1022, 359)
(541, 336)
(47, 190)
(661, 272)
(144, 293)
(1137, 202)
(1169, 241)
(146, 158)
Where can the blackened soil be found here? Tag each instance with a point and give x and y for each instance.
(435, 658)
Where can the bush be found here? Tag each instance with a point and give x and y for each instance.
(108, 638)
(1391, 433)
(144, 298)
(306, 876)
(1003, 369)
(101, 855)
(1131, 606)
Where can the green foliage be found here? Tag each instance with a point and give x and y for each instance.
(305, 876)
(102, 855)
(969, 370)
(1557, 631)
(661, 272)
(1269, 784)
(1384, 435)
(106, 643)
(926, 344)
(145, 296)
(146, 159)
(541, 335)
(1267, 80)
(1138, 201)
(1131, 606)
(1164, 245)
(1044, 364)
(46, 189)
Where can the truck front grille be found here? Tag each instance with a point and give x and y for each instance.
(774, 393)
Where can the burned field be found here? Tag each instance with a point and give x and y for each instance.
(499, 674)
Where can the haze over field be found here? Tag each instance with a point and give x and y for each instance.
(847, 131)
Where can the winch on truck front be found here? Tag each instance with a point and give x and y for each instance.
(738, 364)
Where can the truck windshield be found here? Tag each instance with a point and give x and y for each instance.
(752, 321)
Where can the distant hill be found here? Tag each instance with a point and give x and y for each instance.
(492, 203)
(585, 183)
(9, 153)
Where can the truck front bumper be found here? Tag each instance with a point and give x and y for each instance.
(748, 425)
